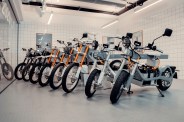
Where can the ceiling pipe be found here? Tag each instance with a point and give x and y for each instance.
(132, 6)
(83, 9)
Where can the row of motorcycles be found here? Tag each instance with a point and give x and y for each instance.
(87, 61)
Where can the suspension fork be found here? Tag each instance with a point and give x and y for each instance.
(100, 79)
(84, 56)
(131, 76)
(67, 61)
(2, 57)
(82, 61)
(77, 55)
(49, 60)
(119, 70)
(62, 57)
(55, 59)
(69, 57)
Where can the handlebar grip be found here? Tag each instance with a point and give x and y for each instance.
(159, 50)
(5, 49)
(59, 41)
(24, 49)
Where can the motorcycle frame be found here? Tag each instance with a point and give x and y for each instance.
(135, 69)
(2, 57)
(106, 67)
(81, 64)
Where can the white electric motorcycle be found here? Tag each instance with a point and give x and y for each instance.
(113, 64)
(79, 69)
(148, 74)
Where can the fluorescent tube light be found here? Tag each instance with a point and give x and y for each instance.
(148, 6)
(109, 24)
(50, 18)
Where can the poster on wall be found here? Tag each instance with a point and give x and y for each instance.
(138, 36)
(43, 40)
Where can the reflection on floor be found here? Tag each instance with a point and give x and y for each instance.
(4, 83)
(24, 102)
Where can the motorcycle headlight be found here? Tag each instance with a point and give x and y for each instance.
(95, 55)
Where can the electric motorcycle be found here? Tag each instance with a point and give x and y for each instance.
(28, 58)
(79, 69)
(111, 68)
(7, 69)
(148, 74)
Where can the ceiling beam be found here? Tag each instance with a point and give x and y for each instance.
(83, 9)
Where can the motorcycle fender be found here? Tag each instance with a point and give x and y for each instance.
(163, 68)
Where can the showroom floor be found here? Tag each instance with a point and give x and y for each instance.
(24, 102)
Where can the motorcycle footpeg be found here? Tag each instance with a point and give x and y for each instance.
(130, 92)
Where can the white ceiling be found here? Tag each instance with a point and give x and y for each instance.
(33, 14)
(94, 5)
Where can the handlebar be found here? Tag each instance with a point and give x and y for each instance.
(59, 41)
(159, 50)
(24, 49)
(5, 49)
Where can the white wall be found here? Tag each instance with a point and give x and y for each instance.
(8, 36)
(153, 21)
(8, 39)
(68, 28)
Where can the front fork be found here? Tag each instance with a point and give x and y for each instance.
(131, 76)
(100, 79)
(119, 71)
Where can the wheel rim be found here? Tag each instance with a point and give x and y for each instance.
(7, 72)
(19, 71)
(71, 80)
(46, 74)
(36, 73)
(57, 76)
(27, 72)
(94, 83)
(167, 74)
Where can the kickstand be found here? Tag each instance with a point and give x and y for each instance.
(129, 91)
(162, 95)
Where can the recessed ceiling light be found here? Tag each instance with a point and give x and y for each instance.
(50, 18)
(148, 6)
(110, 24)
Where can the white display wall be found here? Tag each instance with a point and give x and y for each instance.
(153, 21)
(65, 32)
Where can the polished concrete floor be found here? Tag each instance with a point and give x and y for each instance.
(25, 102)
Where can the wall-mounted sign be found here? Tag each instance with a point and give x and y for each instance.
(43, 40)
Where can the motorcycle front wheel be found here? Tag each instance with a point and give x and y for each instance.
(92, 80)
(18, 71)
(44, 75)
(55, 79)
(69, 81)
(118, 86)
(7, 71)
(26, 72)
